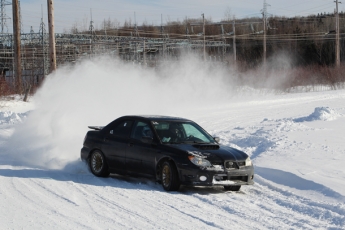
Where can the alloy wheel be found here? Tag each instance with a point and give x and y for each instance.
(97, 162)
(166, 180)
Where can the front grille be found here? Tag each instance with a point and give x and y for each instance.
(234, 164)
(232, 178)
(239, 178)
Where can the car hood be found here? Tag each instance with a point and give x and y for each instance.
(214, 152)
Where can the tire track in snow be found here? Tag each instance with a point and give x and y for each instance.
(201, 210)
(316, 214)
(119, 205)
(43, 197)
(234, 206)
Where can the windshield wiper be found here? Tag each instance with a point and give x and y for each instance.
(196, 142)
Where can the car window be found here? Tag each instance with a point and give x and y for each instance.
(122, 129)
(193, 131)
(141, 129)
(180, 132)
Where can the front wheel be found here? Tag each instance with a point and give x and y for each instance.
(98, 164)
(232, 188)
(169, 176)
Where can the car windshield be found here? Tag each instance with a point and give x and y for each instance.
(176, 132)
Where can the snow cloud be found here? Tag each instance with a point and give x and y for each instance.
(95, 92)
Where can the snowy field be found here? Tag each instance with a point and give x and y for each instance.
(296, 142)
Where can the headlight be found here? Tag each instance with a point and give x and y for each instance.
(248, 162)
(199, 161)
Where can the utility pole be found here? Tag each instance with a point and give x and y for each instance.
(136, 32)
(224, 43)
(234, 40)
(42, 33)
(16, 40)
(161, 25)
(264, 17)
(105, 28)
(144, 53)
(264, 40)
(52, 50)
(203, 32)
(337, 43)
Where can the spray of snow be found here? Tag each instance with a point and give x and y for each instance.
(10, 117)
(95, 92)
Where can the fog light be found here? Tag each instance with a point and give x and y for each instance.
(202, 178)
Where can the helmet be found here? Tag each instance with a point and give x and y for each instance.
(147, 131)
(174, 128)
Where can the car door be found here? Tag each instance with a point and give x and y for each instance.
(140, 155)
(115, 142)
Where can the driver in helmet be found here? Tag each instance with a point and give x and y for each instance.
(174, 132)
(147, 131)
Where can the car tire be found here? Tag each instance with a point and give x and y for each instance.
(232, 188)
(169, 176)
(98, 164)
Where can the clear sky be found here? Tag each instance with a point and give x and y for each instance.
(70, 12)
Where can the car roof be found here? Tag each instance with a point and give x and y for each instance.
(156, 117)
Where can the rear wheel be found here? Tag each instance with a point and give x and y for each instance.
(232, 188)
(169, 176)
(98, 164)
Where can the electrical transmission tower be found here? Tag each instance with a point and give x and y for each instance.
(3, 15)
(92, 33)
(91, 27)
(43, 38)
(31, 34)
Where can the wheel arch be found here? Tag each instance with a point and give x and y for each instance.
(159, 166)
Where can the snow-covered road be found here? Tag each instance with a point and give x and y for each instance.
(296, 141)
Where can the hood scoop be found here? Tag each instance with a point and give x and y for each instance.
(206, 146)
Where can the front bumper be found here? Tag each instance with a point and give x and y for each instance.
(211, 177)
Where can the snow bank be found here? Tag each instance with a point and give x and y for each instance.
(272, 134)
(320, 113)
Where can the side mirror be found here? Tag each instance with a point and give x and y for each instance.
(147, 140)
(217, 139)
(111, 132)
